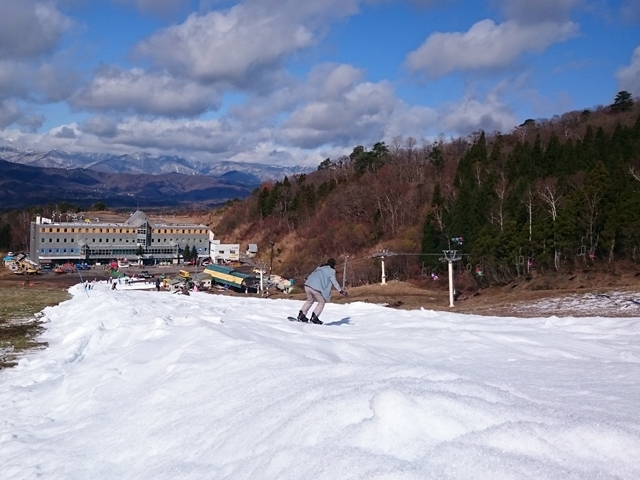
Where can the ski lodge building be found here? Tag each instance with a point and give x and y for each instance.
(135, 240)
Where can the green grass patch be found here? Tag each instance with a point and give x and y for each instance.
(19, 330)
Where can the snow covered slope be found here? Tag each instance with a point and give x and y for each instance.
(150, 385)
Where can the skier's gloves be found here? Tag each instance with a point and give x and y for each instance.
(344, 293)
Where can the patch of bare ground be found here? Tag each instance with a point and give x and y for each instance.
(586, 293)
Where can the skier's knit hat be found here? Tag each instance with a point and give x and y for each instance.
(332, 262)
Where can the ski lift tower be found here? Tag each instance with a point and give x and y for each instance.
(381, 255)
(451, 256)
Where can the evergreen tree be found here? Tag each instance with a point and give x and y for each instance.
(5, 237)
(623, 102)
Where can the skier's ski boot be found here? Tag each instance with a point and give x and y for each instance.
(302, 317)
(315, 319)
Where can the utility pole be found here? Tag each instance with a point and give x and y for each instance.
(451, 256)
(262, 268)
(272, 243)
(344, 272)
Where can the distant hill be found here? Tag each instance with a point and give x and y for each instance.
(22, 186)
(552, 196)
(142, 163)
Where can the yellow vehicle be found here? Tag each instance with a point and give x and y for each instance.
(24, 268)
(184, 274)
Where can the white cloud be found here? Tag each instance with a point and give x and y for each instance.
(31, 123)
(14, 79)
(101, 127)
(157, 7)
(205, 136)
(471, 114)
(9, 113)
(629, 76)
(66, 132)
(539, 11)
(485, 46)
(326, 115)
(630, 10)
(55, 81)
(30, 28)
(225, 46)
(113, 89)
(338, 109)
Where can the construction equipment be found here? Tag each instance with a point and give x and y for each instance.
(23, 265)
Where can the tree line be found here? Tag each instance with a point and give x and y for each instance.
(551, 194)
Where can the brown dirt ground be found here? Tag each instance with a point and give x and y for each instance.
(506, 300)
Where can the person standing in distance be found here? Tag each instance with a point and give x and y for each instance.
(318, 289)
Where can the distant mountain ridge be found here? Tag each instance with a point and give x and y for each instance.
(143, 163)
(23, 185)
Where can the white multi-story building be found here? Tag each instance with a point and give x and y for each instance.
(136, 239)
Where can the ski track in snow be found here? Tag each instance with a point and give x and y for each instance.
(148, 385)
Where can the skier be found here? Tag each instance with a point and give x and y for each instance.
(318, 289)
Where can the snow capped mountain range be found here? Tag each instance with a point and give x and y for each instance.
(143, 163)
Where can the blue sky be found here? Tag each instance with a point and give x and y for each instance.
(292, 83)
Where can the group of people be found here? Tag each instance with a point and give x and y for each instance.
(317, 287)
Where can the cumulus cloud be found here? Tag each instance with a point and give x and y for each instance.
(485, 46)
(630, 10)
(338, 108)
(100, 127)
(65, 132)
(225, 46)
(528, 12)
(9, 113)
(114, 89)
(171, 135)
(156, 7)
(629, 76)
(305, 121)
(472, 114)
(55, 81)
(362, 109)
(14, 79)
(31, 123)
(30, 28)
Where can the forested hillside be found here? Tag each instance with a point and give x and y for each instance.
(551, 195)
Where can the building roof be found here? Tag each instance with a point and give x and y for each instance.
(137, 219)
